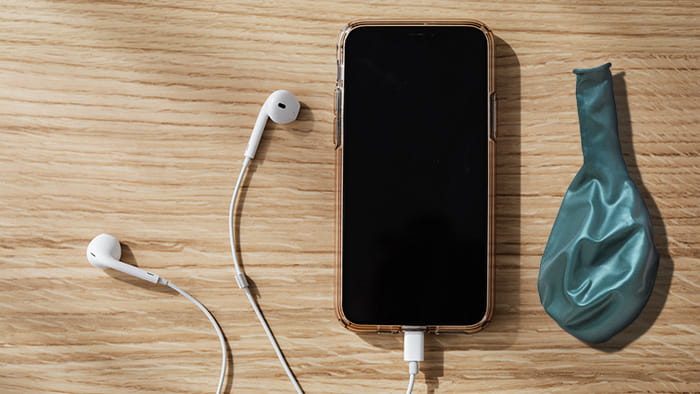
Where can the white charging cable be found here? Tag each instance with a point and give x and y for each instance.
(413, 352)
(243, 283)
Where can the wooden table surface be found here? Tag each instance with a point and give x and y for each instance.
(131, 117)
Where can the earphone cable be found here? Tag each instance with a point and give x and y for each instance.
(243, 283)
(214, 323)
(231, 238)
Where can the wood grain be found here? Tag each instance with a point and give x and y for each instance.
(131, 117)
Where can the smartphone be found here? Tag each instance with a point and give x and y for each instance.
(415, 139)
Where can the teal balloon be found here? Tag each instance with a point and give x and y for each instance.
(599, 266)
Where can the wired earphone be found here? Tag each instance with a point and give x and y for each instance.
(104, 251)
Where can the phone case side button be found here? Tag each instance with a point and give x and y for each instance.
(339, 73)
(338, 116)
(492, 116)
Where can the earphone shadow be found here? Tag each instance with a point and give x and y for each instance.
(237, 214)
(228, 386)
(302, 125)
(502, 332)
(128, 257)
(307, 119)
(658, 297)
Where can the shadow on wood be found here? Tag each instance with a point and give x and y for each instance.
(128, 258)
(658, 297)
(502, 331)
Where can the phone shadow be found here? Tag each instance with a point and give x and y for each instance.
(658, 297)
(502, 332)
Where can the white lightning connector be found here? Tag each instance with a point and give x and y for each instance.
(413, 352)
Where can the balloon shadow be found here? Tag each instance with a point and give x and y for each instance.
(658, 297)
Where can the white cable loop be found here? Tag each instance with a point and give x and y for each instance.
(213, 321)
(243, 283)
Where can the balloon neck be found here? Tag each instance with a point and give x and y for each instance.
(597, 114)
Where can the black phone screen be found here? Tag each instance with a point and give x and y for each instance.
(415, 173)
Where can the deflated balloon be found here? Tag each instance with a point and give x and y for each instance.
(599, 266)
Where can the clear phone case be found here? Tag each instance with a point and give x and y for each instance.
(338, 139)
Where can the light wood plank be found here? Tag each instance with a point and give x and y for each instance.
(130, 117)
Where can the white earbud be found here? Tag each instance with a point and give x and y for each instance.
(104, 252)
(282, 107)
